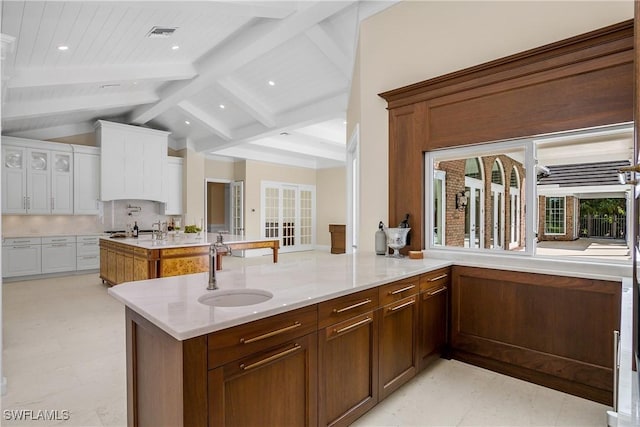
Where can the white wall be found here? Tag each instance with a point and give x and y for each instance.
(330, 202)
(415, 41)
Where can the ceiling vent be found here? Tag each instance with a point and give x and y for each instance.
(161, 32)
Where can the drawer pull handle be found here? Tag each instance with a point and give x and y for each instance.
(406, 304)
(442, 276)
(399, 291)
(437, 291)
(270, 334)
(295, 348)
(355, 325)
(351, 307)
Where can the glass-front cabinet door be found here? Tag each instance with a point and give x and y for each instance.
(14, 180)
(61, 183)
(38, 189)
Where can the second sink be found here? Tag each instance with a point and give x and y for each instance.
(235, 297)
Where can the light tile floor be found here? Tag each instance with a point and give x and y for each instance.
(64, 350)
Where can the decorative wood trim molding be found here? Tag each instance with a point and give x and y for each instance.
(595, 44)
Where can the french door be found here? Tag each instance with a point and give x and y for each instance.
(237, 208)
(288, 213)
(497, 202)
(474, 213)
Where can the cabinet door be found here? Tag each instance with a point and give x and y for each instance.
(397, 344)
(348, 375)
(61, 183)
(14, 180)
(58, 257)
(21, 260)
(173, 187)
(432, 329)
(86, 176)
(277, 387)
(154, 157)
(39, 182)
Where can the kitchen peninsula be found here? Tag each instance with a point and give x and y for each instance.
(341, 333)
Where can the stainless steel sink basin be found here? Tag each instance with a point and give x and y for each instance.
(235, 297)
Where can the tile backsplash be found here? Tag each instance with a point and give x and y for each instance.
(119, 213)
(115, 215)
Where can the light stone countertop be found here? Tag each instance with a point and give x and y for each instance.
(171, 303)
(181, 240)
(145, 241)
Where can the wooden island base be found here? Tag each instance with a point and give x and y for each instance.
(121, 262)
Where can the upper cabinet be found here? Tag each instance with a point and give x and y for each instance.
(173, 186)
(133, 162)
(36, 179)
(86, 174)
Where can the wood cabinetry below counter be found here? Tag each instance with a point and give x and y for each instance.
(121, 262)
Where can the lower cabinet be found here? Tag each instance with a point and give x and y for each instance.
(433, 316)
(58, 254)
(21, 257)
(398, 327)
(348, 358)
(275, 387)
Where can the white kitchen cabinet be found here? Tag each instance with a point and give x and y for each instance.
(173, 185)
(14, 180)
(37, 177)
(58, 254)
(86, 176)
(61, 183)
(132, 161)
(88, 252)
(21, 256)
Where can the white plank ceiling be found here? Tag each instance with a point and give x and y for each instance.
(217, 79)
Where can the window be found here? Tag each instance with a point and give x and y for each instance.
(554, 215)
(526, 196)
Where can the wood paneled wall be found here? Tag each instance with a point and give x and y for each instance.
(581, 82)
(551, 330)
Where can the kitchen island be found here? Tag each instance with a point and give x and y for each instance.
(131, 259)
(341, 333)
(238, 242)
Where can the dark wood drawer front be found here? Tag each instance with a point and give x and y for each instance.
(435, 280)
(241, 341)
(398, 290)
(343, 308)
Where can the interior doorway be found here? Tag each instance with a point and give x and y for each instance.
(224, 205)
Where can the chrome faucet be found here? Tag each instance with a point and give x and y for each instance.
(216, 247)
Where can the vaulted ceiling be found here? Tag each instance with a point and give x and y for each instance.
(262, 80)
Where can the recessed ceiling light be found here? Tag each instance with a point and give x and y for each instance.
(63, 47)
(272, 83)
(222, 107)
(187, 122)
(175, 47)
(284, 133)
(344, 122)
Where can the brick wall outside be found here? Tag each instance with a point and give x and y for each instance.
(455, 224)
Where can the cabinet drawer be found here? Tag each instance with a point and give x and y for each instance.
(87, 249)
(240, 341)
(20, 241)
(435, 280)
(58, 239)
(88, 262)
(346, 307)
(88, 239)
(398, 290)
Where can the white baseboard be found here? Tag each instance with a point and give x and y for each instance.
(323, 248)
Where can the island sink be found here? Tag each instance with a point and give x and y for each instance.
(235, 297)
